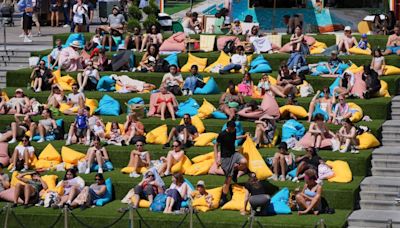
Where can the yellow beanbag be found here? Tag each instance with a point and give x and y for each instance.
(383, 92)
(50, 181)
(64, 107)
(92, 104)
(203, 157)
(158, 135)
(196, 121)
(44, 164)
(237, 201)
(200, 168)
(296, 110)
(108, 128)
(14, 181)
(274, 140)
(4, 96)
(206, 109)
(65, 82)
(357, 112)
(71, 156)
(358, 51)
(223, 60)
(317, 48)
(193, 60)
(49, 153)
(367, 140)
(390, 70)
(205, 139)
(201, 203)
(342, 171)
(355, 69)
(127, 169)
(142, 203)
(182, 165)
(255, 161)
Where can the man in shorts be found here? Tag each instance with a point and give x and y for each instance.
(393, 43)
(230, 161)
(185, 132)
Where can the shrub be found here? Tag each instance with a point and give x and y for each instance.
(133, 23)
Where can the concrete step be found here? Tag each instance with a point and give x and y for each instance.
(385, 172)
(390, 133)
(379, 183)
(15, 65)
(391, 125)
(10, 68)
(386, 152)
(385, 163)
(378, 195)
(379, 205)
(15, 59)
(14, 53)
(390, 141)
(373, 218)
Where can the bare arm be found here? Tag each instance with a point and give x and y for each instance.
(216, 158)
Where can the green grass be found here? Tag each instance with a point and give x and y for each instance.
(175, 7)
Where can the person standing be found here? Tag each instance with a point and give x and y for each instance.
(230, 161)
(26, 6)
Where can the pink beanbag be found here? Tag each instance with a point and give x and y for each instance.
(4, 158)
(306, 141)
(270, 106)
(8, 195)
(359, 85)
(221, 41)
(175, 43)
(287, 48)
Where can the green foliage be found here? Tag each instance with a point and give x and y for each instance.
(150, 21)
(134, 12)
(133, 23)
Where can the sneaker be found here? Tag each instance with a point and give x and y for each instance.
(134, 175)
(273, 177)
(39, 34)
(12, 141)
(24, 170)
(295, 180)
(27, 40)
(344, 150)
(40, 140)
(68, 142)
(100, 170)
(184, 92)
(166, 145)
(66, 26)
(190, 92)
(354, 151)
(87, 171)
(38, 90)
(12, 170)
(40, 203)
(166, 174)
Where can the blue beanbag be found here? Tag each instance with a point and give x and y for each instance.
(260, 65)
(108, 106)
(292, 173)
(210, 87)
(50, 136)
(342, 68)
(292, 128)
(75, 36)
(239, 132)
(185, 203)
(107, 196)
(219, 115)
(106, 84)
(135, 100)
(107, 166)
(318, 110)
(279, 203)
(190, 106)
(159, 202)
(259, 60)
(172, 59)
(334, 85)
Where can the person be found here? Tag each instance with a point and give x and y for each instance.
(72, 185)
(80, 18)
(372, 81)
(347, 41)
(297, 39)
(92, 5)
(147, 189)
(322, 105)
(18, 128)
(139, 158)
(29, 189)
(88, 78)
(174, 156)
(185, 133)
(35, 17)
(172, 80)
(153, 36)
(236, 29)
(177, 192)
(26, 7)
(347, 137)
(55, 12)
(246, 86)
(69, 57)
(98, 129)
(265, 131)
(66, 8)
(133, 40)
(56, 96)
(230, 161)
(97, 154)
(230, 101)
(311, 160)
(393, 42)
(265, 86)
(75, 99)
(47, 125)
(341, 110)
(115, 137)
(218, 24)
(287, 82)
(257, 195)
(4, 181)
(378, 62)
(52, 58)
(379, 26)
(363, 43)
(346, 84)
(191, 24)
(165, 101)
(18, 104)
(90, 194)
(115, 28)
(129, 84)
(334, 64)
(259, 42)
(201, 192)
(193, 81)
(309, 199)
(94, 124)
(22, 155)
(134, 129)
(149, 59)
(319, 131)
(81, 124)
(41, 77)
(238, 62)
(100, 60)
(283, 162)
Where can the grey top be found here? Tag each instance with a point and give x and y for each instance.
(117, 20)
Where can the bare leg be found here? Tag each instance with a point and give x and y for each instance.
(18, 189)
(28, 190)
(171, 110)
(311, 111)
(283, 168)
(162, 107)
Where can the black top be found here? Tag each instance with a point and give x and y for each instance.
(314, 161)
(190, 128)
(258, 188)
(46, 75)
(227, 141)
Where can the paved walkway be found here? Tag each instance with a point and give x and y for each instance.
(200, 7)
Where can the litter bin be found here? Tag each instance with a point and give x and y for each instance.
(105, 9)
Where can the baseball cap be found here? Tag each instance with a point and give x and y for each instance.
(19, 90)
(364, 35)
(201, 183)
(347, 28)
(283, 145)
(236, 20)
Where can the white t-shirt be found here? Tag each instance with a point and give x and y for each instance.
(169, 79)
(21, 150)
(91, 73)
(239, 59)
(80, 12)
(74, 98)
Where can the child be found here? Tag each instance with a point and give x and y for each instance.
(115, 135)
(246, 86)
(264, 84)
(81, 124)
(378, 62)
(236, 29)
(363, 44)
(98, 130)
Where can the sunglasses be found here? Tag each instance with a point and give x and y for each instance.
(97, 179)
(175, 146)
(150, 175)
(139, 144)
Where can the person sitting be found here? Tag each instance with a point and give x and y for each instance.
(323, 104)
(100, 60)
(393, 42)
(193, 81)
(133, 41)
(88, 78)
(52, 58)
(115, 137)
(287, 82)
(311, 160)
(116, 21)
(90, 194)
(347, 137)
(230, 101)
(309, 199)
(18, 104)
(98, 130)
(319, 131)
(346, 84)
(256, 195)
(47, 125)
(173, 80)
(176, 193)
(238, 62)
(259, 42)
(70, 59)
(297, 39)
(152, 37)
(246, 86)
(94, 43)
(372, 81)
(333, 64)
(265, 131)
(174, 156)
(130, 85)
(283, 162)
(165, 101)
(236, 29)
(363, 43)
(56, 97)
(75, 99)
(347, 41)
(72, 185)
(96, 154)
(22, 155)
(264, 86)
(201, 192)
(147, 189)
(341, 111)
(4, 181)
(191, 24)
(149, 59)
(218, 24)
(29, 189)
(134, 129)
(378, 62)
(139, 158)
(18, 128)
(185, 132)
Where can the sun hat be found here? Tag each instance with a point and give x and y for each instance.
(76, 44)
(201, 183)
(347, 28)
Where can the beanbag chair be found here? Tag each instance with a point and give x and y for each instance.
(182, 165)
(221, 41)
(107, 166)
(196, 121)
(201, 204)
(205, 110)
(108, 128)
(142, 203)
(158, 135)
(367, 140)
(223, 60)
(210, 87)
(50, 181)
(106, 84)
(107, 196)
(292, 128)
(219, 115)
(260, 65)
(200, 168)
(237, 201)
(306, 141)
(190, 106)
(8, 195)
(318, 110)
(172, 59)
(193, 60)
(355, 69)
(108, 106)
(296, 110)
(390, 70)
(239, 132)
(359, 85)
(358, 51)
(317, 48)
(279, 203)
(75, 36)
(203, 157)
(4, 158)
(127, 169)
(65, 82)
(205, 139)
(48, 158)
(357, 112)
(14, 180)
(383, 92)
(342, 171)
(92, 104)
(175, 43)
(256, 163)
(70, 156)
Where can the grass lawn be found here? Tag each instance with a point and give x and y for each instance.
(175, 7)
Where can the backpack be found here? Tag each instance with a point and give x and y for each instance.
(159, 202)
(162, 66)
(229, 46)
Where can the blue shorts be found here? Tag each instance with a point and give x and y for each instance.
(393, 49)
